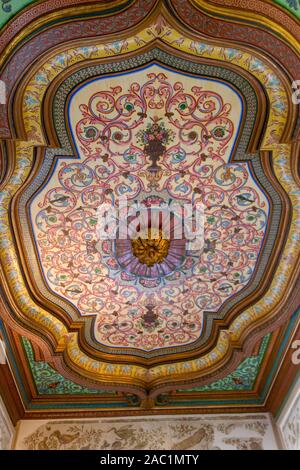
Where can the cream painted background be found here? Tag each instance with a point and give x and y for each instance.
(196, 432)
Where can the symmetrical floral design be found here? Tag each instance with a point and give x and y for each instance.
(48, 381)
(154, 137)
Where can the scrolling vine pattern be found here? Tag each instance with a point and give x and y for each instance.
(194, 132)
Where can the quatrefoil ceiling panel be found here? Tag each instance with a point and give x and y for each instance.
(157, 137)
(161, 116)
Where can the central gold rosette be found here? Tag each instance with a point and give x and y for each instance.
(150, 247)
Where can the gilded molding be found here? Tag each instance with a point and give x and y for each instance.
(28, 113)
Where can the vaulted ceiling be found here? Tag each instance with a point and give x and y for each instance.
(161, 102)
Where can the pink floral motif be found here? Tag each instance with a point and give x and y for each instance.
(194, 130)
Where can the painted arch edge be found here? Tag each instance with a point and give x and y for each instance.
(62, 137)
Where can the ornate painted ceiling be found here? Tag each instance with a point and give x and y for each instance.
(9, 8)
(169, 104)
